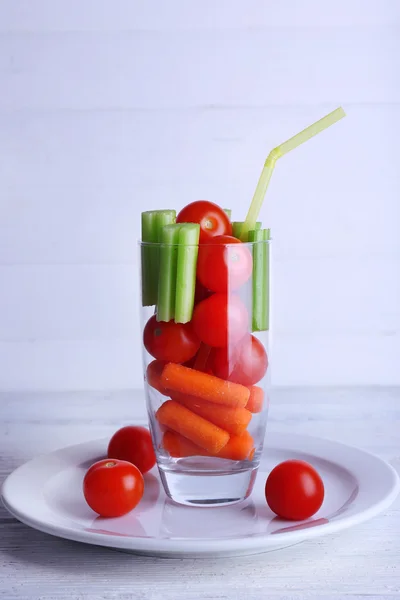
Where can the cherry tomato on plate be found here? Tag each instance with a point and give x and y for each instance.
(245, 362)
(220, 319)
(224, 263)
(133, 444)
(211, 218)
(294, 490)
(112, 488)
(170, 341)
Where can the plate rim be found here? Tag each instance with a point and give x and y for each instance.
(213, 546)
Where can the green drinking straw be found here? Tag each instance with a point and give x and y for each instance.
(273, 156)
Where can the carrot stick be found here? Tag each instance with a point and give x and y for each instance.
(202, 356)
(207, 387)
(192, 426)
(153, 376)
(239, 447)
(256, 400)
(178, 447)
(233, 420)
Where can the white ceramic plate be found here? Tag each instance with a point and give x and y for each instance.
(46, 493)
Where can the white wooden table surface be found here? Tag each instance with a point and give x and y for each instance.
(363, 562)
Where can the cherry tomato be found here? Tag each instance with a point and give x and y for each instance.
(244, 363)
(202, 360)
(220, 319)
(201, 293)
(211, 218)
(133, 444)
(224, 263)
(170, 342)
(112, 488)
(294, 490)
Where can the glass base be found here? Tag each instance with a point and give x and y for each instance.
(205, 488)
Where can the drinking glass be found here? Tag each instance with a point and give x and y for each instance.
(234, 403)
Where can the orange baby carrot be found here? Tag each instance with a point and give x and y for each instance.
(239, 447)
(178, 447)
(233, 420)
(193, 427)
(207, 387)
(256, 400)
(153, 376)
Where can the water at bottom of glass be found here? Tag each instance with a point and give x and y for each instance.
(203, 481)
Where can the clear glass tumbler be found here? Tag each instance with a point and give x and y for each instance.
(207, 381)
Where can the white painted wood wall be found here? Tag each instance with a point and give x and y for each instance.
(110, 108)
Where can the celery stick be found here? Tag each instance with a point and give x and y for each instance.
(152, 222)
(260, 278)
(164, 217)
(267, 237)
(149, 281)
(237, 228)
(189, 234)
(228, 211)
(260, 319)
(257, 236)
(168, 270)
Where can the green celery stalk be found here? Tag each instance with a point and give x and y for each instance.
(237, 228)
(188, 249)
(266, 257)
(149, 235)
(260, 316)
(258, 283)
(164, 217)
(168, 272)
(152, 222)
(228, 211)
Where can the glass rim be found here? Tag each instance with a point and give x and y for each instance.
(158, 244)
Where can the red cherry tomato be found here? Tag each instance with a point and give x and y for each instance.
(294, 490)
(220, 319)
(211, 218)
(133, 444)
(224, 263)
(112, 488)
(170, 342)
(201, 293)
(245, 363)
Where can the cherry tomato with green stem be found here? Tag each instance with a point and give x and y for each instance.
(212, 219)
